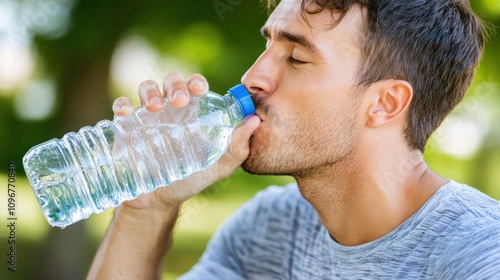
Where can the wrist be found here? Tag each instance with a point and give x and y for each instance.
(136, 242)
(154, 216)
(135, 224)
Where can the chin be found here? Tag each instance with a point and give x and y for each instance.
(255, 165)
(258, 163)
(252, 169)
(258, 160)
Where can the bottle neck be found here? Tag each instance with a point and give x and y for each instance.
(234, 109)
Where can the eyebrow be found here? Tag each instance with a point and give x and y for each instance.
(293, 38)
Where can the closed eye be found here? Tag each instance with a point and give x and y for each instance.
(294, 61)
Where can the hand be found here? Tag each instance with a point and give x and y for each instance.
(178, 91)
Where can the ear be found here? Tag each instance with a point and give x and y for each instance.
(391, 99)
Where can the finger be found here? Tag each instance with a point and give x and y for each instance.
(176, 90)
(197, 85)
(239, 147)
(122, 107)
(150, 96)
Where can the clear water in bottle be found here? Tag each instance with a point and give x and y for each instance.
(102, 166)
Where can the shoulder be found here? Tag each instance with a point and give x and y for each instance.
(268, 208)
(473, 235)
(475, 254)
(468, 210)
(240, 244)
(273, 218)
(471, 198)
(466, 207)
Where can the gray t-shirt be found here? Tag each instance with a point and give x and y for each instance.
(277, 235)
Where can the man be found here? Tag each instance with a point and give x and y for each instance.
(347, 94)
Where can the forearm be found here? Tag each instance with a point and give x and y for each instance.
(134, 245)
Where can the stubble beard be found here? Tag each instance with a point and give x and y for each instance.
(291, 149)
(300, 148)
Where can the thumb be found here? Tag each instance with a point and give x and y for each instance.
(239, 148)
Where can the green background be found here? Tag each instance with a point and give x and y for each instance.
(63, 62)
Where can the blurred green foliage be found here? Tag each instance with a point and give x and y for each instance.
(219, 39)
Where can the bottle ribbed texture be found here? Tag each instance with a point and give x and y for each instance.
(102, 166)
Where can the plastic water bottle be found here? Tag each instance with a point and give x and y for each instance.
(102, 166)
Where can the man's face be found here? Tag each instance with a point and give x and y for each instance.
(303, 85)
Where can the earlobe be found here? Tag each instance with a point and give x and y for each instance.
(391, 101)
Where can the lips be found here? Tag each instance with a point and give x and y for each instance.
(260, 107)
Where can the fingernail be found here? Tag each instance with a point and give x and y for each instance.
(123, 106)
(198, 83)
(156, 101)
(179, 94)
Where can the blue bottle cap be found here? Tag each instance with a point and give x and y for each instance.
(240, 93)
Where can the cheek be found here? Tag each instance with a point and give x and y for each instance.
(310, 114)
(323, 122)
(306, 115)
(295, 123)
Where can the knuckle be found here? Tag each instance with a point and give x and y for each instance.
(178, 85)
(148, 88)
(174, 81)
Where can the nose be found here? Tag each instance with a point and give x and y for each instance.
(261, 77)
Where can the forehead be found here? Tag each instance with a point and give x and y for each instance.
(289, 12)
(288, 16)
(286, 10)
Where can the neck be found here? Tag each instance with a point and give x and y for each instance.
(359, 202)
